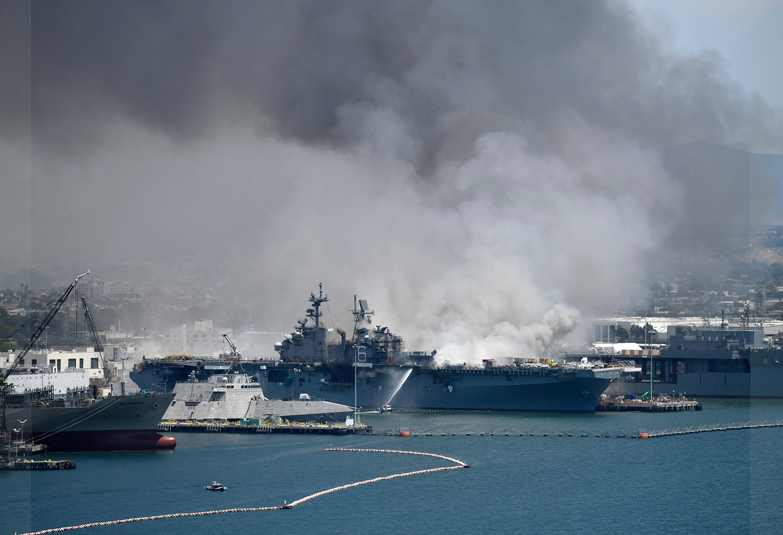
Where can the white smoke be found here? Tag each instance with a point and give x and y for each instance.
(526, 240)
(509, 340)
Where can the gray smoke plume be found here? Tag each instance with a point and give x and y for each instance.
(484, 174)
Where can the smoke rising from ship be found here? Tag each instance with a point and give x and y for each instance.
(484, 177)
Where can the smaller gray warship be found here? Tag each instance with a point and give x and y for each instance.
(239, 397)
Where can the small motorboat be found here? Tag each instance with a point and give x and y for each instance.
(217, 487)
(386, 408)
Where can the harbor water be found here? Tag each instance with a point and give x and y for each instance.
(720, 482)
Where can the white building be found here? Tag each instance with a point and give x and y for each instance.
(202, 340)
(111, 288)
(99, 288)
(604, 328)
(82, 359)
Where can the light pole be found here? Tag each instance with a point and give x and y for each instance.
(21, 426)
(15, 444)
(651, 360)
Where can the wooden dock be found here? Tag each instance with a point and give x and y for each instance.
(304, 428)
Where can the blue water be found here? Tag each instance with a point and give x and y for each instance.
(723, 482)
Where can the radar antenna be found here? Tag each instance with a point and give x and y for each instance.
(361, 313)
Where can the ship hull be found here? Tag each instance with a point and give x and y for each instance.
(487, 392)
(408, 387)
(115, 423)
(143, 440)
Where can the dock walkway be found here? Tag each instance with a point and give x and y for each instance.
(293, 427)
(637, 405)
(27, 464)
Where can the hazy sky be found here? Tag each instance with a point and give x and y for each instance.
(747, 35)
(486, 177)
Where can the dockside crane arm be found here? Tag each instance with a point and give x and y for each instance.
(96, 339)
(33, 339)
(41, 328)
(234, 352)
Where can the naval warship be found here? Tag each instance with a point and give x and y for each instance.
(709, 363)
(78, 421)
(238, 397)
(370, 369)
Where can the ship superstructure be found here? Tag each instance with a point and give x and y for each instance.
(312, 342)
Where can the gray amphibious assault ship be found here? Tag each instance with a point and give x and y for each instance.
(329, 365)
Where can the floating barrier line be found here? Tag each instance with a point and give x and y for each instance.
(458, 465)
(711, 428)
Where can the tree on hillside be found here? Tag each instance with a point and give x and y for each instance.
(620, 333)
(637, 333)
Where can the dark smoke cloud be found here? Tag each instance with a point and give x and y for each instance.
(15, 65)
(483, 173)
(449, 71)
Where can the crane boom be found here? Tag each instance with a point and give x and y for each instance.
(41, 328)
(96, 339)
(234, 352)
(33, 339)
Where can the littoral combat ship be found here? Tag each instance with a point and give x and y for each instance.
(238, 397)
(371, 369)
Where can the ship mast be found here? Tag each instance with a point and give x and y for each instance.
(315, 312)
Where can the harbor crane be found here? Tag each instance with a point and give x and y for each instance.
(4, 374)
(97, 340)
(234, 353)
